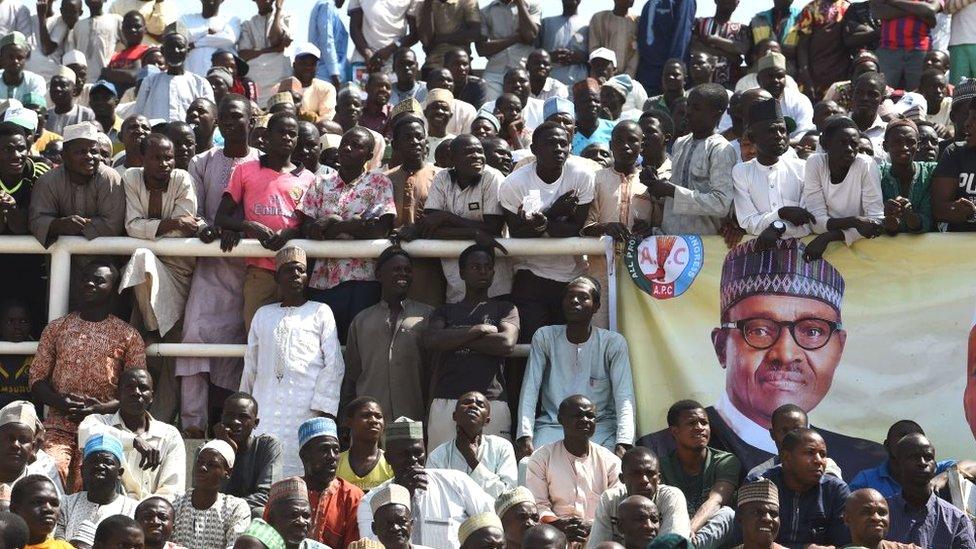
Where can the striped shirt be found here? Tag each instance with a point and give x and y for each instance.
(906, 33)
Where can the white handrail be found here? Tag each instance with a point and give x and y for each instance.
(62, 250)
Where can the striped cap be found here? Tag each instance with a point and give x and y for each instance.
(763, 491)
(314, 428)
(20, 411)
(964, 91)
(404, 428)
(510, 499)
(477, 522)
(287, 488)
(780, 270)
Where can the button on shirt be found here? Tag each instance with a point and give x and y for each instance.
(760, 191)
(501, 20)
(702, 175)
(167, 480)
(938, 525)
(566, 485)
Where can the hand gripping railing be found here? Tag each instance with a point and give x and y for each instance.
(62, 250)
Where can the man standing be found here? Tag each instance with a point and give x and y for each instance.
(167, 95)
(866, 516)
(488, 459)
(269, 191)
(568, 476)
(813, 501)
(741, 421)
(434, 493)
(81, 197)
(17, 82)
(640, 475)
(65, 110)
(615, 30)
(293, 364)
(822, 56)
(407, 85)
(333, 501)
(962, 40)
(262, 43)
(155, 456)
(214, 305)
(447, 25)
(379, 27)
(328, 33)
(565, 38)
(786, 418)
(918, 515)
(157, 15)
(541, 85)
(509, 29)
(392, 519)
(466, 87)
(699, 194)
(905, 38)
(482, 531)
(209, 31)
(663, 32)
(205, 517)
(318, 96)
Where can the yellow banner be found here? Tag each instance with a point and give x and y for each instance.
(907, 312)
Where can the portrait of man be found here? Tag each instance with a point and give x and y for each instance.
(779, 341)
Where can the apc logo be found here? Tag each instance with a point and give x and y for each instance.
(665, 266)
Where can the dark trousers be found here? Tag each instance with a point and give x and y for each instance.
(540, 303)
(346, 301)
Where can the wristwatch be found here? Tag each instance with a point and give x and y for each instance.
(779, 226)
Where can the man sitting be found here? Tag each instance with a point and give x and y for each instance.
(866, 516)
(157, 517)
(918, 515)
(435, 493)
(568, 476)
(706, 476)
(257, 457)
(882, 478)
(518, 512)
(333, 501)
(640, 475)
(786, 418)
(35, 500)
(101, 469)
(205, 517)
(19, 422)
(482, 531)
(282, 526)
(488, 459)
(118, 531)
(155, 456)
(812, 502)
(758, 515)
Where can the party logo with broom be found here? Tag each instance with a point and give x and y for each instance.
(665, 266)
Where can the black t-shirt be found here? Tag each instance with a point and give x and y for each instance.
(14, 378)
(959, 162)
(465, 370)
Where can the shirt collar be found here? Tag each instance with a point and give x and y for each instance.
(749, 431)
(153, 430)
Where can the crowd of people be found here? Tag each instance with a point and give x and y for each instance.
(378, 403)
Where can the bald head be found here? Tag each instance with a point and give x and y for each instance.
(639, 520)
(866, 516)
(544, 536)
(750, 98)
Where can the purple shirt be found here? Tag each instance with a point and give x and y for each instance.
(938, 525)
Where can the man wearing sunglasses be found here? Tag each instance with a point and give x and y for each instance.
(779, 341)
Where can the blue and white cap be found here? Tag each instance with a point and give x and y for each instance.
(104, 443)
(314, 428)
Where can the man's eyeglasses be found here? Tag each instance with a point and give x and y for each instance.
(762, 333)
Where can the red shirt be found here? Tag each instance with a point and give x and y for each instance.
(906, 33)
(334, 514)
(125, 58)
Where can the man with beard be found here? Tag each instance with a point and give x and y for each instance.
(155, 456)
(286, 520)
(333, 501)
(640, 475)
(434, 493)
(168, 95)
(758, 368)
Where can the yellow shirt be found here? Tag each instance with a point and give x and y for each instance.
(51, 543)
(381, 473)
(42, 141)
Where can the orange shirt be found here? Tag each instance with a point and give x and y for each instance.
(334, 514)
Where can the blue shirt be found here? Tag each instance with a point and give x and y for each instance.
(938, 525)
(663, 31)
(329, 35)
(815, 516)
(601, 134)
(881, 480)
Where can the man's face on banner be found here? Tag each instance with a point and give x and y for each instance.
(759, 380)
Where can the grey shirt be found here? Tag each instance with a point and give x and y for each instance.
(76, 115)
(702, 175)
(671, 506)
(102, 200)
(254, 470)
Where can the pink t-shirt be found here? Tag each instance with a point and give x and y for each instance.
(269, 197)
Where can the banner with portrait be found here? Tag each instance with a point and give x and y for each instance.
(898, 349)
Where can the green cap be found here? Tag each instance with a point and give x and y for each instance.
(405, 428)
(15, 37)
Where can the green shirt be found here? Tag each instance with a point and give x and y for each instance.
(718, 466)
(919, 193)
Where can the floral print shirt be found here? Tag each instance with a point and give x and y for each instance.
(369, 196)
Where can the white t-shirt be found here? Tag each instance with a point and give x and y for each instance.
(384, 21)
(524, 182)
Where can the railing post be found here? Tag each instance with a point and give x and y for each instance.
(60, 281)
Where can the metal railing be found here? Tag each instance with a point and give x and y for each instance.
(62, 250)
